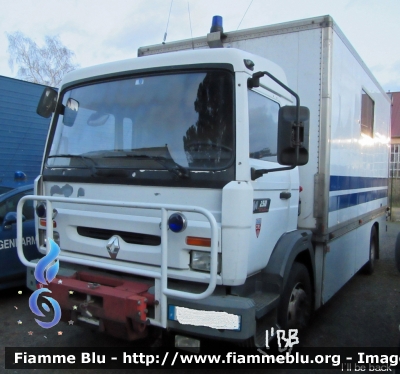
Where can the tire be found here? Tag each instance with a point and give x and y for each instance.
(295, 307)
(369, 267)
(397, 252)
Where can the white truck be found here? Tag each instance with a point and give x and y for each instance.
(188, 190)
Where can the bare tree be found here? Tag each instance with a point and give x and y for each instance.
(46, 65)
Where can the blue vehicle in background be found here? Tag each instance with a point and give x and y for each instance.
(22, 141)
(12, 271)
(4, 189)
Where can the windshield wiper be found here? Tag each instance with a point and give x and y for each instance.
(176, 169)
(92, 166)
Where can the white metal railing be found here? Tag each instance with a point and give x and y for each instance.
(161, 277)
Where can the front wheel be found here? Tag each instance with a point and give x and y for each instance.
(296, 302)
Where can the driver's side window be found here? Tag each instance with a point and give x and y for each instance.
(263, 126)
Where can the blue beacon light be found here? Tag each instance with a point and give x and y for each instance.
(19, 176)
(177, 222)
(217, 24)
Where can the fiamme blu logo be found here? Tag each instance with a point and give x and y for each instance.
(45, 271)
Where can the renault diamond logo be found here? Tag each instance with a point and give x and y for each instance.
(113, 247)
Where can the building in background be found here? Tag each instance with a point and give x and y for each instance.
(395, 136)
(22, 131)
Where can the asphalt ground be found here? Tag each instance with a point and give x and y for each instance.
(364, 313)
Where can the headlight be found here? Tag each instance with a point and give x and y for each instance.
(201, 261)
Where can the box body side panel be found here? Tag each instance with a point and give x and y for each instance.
(359, 162)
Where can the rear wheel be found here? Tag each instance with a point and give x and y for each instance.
(397, 252)
(369, 267)
(296, 302)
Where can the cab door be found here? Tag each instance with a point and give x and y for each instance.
(273, 195)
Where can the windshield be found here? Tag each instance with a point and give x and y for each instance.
(162, 122)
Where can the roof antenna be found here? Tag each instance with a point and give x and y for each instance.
(165, 35)
(190, 23)
(244, 14)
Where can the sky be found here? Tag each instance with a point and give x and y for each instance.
(100, 31)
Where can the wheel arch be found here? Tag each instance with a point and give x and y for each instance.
(295, 246)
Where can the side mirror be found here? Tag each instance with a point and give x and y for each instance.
(47, 102)
(70, 112)
(10, 219)
(287, 136)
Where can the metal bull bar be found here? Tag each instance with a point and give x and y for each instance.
(161, 277)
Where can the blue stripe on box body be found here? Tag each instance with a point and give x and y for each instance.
(347, 200)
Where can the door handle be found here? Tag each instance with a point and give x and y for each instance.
(285, 195)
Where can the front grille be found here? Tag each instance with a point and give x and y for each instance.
(128, 237)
